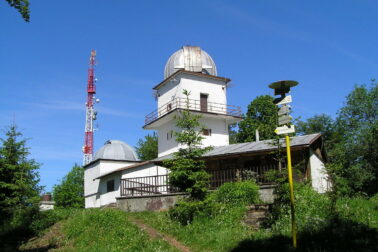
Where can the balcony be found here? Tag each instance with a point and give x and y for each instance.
(194, 105)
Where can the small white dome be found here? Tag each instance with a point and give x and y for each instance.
(190, 58)
(117, 150)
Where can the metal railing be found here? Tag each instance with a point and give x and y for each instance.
(156, 185)
(257, 173)
(149, 185)
(194, 105)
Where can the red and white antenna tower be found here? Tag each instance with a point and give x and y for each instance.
(90, 114)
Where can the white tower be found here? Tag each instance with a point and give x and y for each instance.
(192, 69)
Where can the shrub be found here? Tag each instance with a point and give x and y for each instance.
(45, 219)
(237, 193)
(312, 210)
(185, 211)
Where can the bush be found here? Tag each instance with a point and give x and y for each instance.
(45, 219)
(312, 210)
(238, 193)
(185, 211)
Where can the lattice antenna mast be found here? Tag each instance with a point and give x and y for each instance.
(90, 114)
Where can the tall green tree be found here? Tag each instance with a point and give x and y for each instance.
(321, 123)
(22, 6)
(19, 178)
(261, 116)
(147, 148)
(187, 169)
(355, 155)
(70, 192)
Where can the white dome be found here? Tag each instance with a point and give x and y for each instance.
(190, 58)
(117, 150)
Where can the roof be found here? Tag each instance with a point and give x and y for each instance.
(124, 168)
(250, 147)
(190, 58)
(116, 150)
(234, 149)
(191, 73)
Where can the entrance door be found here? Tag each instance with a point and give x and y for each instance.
(203, 102)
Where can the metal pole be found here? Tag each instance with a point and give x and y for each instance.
(290, 174)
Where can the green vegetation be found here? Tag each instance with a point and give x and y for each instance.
(351, 142)
(187, 170)
(22, 6)
(19, 190)
(350, 226)
(147, 149)
(108, 230)
(261, 116)
(70, 192)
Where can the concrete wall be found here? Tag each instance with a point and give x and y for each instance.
(148, 203)
(319, 178)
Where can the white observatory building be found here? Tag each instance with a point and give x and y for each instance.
(116, 176)
(192, 69)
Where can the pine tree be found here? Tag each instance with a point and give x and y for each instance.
(187, 169)
(19, 189)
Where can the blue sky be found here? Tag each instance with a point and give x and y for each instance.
(328, 46)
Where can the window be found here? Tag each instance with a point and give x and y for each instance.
(206, 132)
(110, 186)
(169, 134)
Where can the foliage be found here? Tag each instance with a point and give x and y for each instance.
(45, 219)
(355, 154)
(322, 123)
(19, 190)
(261, 116)
(238, 193)
(70, 192)
(147, 149)
(187, 170)
(22, 6)
(185, 211)
(108, 230)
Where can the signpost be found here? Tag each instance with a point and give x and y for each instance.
(285, 128)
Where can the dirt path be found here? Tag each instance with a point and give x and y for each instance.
(153, 233)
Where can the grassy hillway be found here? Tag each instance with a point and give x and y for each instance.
(353, 228)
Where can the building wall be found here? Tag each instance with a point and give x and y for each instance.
(92, 188)
(216, 89)
(319, 177)
(109, 197)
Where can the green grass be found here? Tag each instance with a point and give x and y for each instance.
(352, 227)
(220, 233)
(108, 230)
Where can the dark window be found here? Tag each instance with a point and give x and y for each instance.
(169, 134)
(203, 102)
(110, 186)
(206, 132)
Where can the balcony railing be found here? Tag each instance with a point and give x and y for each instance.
(157, 185)
(194, 105)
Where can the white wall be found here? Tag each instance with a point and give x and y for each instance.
(109, 197)
(92, 188)
(319, 177)
(219, 135)
(91, 185)
(216, 89)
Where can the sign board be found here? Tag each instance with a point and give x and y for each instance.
(285, 119)
(285, 109)
(284, 130)
(281, 101)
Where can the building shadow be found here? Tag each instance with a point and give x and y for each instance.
(337, 235)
